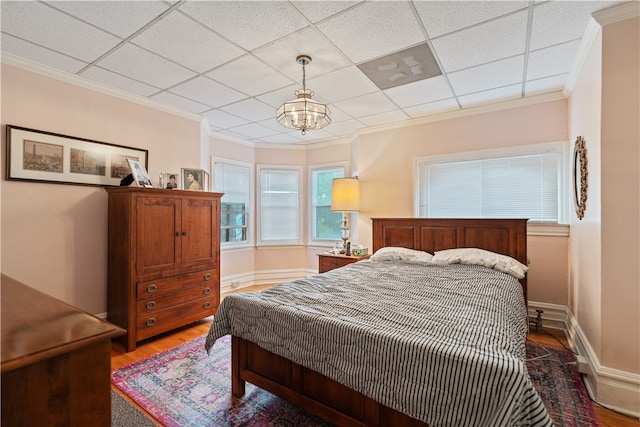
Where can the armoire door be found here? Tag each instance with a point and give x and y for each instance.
(158, 234)
(201, 234)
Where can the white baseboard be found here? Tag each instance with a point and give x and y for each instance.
(266, 277)
(613, 388)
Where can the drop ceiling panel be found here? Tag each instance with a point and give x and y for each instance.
(366, 105)
(342, 84)
(345, 128)
(384, 118)
(488, 76)
(122, 18)
(181, 102)
(282, 54)
(208, 92)
(420, 92)
(40, 24)
(223, 120)
(318, 10)
(436, 107)
(139, 64)
(249, 24)
(115, 80)
(500, 94)
(277, 97)
(545, 85)
(442, 17)
(559, 21)
(552, 60)
(506, 36)
(250, 109)
(40, 54)
(373, 29)
(253, 130)
(194, 46)
(253, 76)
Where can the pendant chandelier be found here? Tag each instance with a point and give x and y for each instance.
(303, 113)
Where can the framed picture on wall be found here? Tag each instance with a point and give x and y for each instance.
(195, 179)
(139, 173)
(39, 156)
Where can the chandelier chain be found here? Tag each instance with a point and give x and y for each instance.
(304, 76)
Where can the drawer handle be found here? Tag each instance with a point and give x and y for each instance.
(184, 233)
(206, 291)
(152, 288)
(336, 263)
(151, 321)
(150, 305)
(208, 276)
(178, 233)
(206, 304)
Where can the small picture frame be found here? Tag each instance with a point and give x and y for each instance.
(195, 179)
(171, 180)
(139, 173)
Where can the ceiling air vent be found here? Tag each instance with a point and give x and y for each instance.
(399, 68)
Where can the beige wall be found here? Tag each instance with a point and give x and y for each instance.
(54, 237)
(585, 244)
(605, 245)
(620, 139)
(385, 162)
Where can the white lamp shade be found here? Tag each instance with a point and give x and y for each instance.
(345, 195)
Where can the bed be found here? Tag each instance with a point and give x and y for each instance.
(372, 344)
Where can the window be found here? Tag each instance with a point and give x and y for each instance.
(280, 205)
(324, 224)
(234, 180)
(521, 182)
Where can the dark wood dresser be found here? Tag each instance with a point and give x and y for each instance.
(164, 259)
(56, 361)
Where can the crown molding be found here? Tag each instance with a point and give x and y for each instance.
(45, 70)
(617, 13)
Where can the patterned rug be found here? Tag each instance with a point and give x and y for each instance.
(183, 387)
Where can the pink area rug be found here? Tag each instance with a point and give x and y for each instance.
(183, 386)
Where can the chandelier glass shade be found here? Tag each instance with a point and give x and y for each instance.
(303, 113)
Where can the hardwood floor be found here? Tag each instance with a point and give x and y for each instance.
(120, 358)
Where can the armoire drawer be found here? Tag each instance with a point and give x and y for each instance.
(151, 288)
(153, 323)
(167, 300)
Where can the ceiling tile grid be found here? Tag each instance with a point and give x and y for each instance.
(234, 62)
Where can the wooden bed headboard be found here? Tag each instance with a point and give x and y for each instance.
(503, 236)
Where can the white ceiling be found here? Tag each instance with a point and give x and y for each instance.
(233, 62)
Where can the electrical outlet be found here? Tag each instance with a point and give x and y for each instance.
(583, 366)
(235, 284)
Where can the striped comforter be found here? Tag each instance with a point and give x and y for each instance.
(441, 343)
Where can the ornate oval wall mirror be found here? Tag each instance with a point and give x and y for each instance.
(580, 177)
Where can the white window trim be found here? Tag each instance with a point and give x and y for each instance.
(325, 243)
(290, 242)
(250, 208)
(534, 228)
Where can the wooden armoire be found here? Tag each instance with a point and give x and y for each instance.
(164, 259)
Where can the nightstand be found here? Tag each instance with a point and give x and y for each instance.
(327, 261)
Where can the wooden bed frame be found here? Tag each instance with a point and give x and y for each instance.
(332, 401)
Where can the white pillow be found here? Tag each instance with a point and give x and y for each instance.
(477, 256)
(392, 253)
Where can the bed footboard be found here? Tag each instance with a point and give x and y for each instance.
(307, 389)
